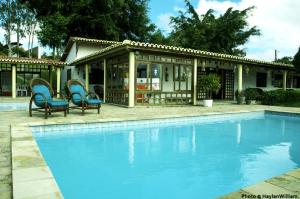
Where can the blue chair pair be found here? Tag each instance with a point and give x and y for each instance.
(81, 98)
(42, 97)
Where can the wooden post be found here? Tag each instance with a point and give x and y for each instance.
(131, 79)
(58, 74)
(13, 81)
(195, 81)
(284, 79)
(51, 76)
(87, 77)
(104, 86)
(240, 77)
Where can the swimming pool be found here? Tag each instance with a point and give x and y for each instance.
(7, 106)
(195, 157)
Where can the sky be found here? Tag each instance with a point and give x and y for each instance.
(278, 20)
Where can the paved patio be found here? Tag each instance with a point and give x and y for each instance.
(18, 122)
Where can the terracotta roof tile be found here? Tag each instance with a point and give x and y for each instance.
(24, 60)
(175, 49)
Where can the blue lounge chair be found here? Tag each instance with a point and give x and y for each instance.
(81, 98)
(42, 96)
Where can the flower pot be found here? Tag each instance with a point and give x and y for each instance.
(241, 100)
(208, 103)
(250, 102)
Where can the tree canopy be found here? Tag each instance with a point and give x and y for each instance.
(100, 19)
(285, 60)
(296, 61)
(223, 34)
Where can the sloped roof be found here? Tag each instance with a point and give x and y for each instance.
(24, 60)
(84, 40)
(178, 50)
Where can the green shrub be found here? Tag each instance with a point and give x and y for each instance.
(210, 83)
(253, 93)
(239, 94)
(280, 96)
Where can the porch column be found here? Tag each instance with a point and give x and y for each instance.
(13, 81)
(58, 74)
(50, 75)
(240, 77)
(131, 79)
(87, 77)
(284, 79)
(195, 82)
(104, 86)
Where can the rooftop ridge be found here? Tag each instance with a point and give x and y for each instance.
(179, 49)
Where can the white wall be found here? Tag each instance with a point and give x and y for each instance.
(85, 49)
(249, 80)
(78, 51)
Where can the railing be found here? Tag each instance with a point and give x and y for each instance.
(167, 98)
(117, 97)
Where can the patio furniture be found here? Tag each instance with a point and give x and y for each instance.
(81, 98)
(42, 96)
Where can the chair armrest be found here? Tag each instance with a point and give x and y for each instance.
(92, 93)
(41, 94)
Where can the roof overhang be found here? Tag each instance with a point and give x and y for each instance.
(192, 53)
(23, 60)
(73, 40)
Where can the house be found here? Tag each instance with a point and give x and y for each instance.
(134, 73)
(15, 74)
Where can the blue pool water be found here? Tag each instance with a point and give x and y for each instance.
(8, 106)
(202, 158)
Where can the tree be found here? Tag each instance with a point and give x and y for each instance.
(100, 19)
(296, 61)
(19, 21)
(285, 60)
(3, 49)
(53, 32)
(7, 21)
(223, 34)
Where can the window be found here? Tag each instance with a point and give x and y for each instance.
(277, 80)
(261, 79)
(96, 76)
(141, 71)
(69, 74)
(296, 82)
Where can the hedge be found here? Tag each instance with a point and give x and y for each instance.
(279, 96)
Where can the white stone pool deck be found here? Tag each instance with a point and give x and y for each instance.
(25, 175)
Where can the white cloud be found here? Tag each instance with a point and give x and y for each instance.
(278, 21)
(163, 22)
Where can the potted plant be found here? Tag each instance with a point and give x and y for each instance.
(251, 95)
(209, 83)
(240, 97)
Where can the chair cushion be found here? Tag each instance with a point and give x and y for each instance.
(38, 99)
(58, 103)
(92, 101)
(76, 98)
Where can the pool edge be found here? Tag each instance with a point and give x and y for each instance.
(39, 176)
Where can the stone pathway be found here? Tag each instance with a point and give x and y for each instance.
(5, 162)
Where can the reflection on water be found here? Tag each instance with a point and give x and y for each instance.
(131, 147)
(174, 161)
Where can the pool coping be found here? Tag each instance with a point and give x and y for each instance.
(32, 178)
